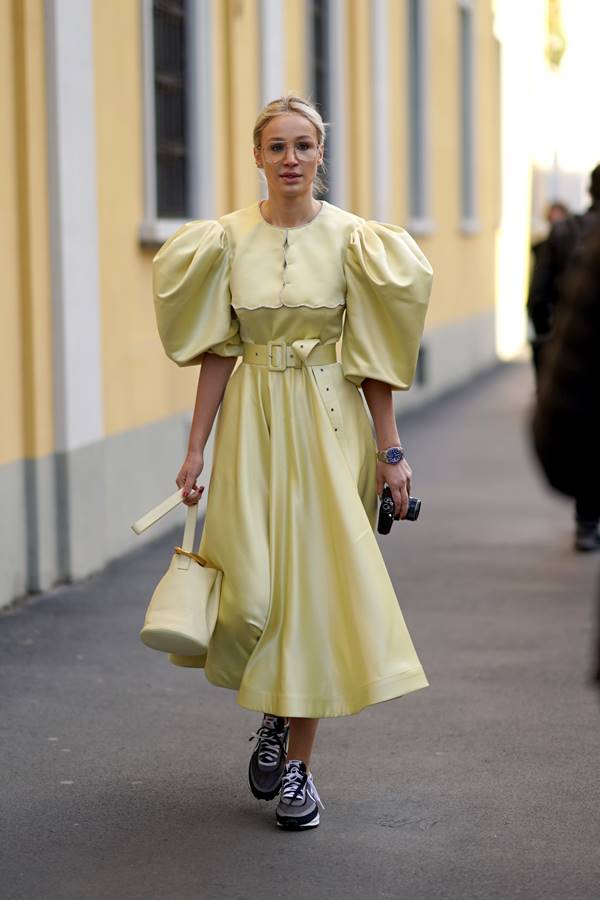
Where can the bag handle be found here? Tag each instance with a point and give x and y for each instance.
(161, 509)
(158, 511)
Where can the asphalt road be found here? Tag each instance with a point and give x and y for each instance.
(124, 778)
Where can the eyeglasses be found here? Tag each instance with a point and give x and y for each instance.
(304, 151)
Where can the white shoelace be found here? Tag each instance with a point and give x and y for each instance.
(270, 741)
(295, 785)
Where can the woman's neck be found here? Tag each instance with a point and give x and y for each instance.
(289, 212)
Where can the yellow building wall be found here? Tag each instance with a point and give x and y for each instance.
(295, 24)
(242, 30)
(140, 384)
(236, 97)
(358, 106)
(464, 263)
(26, 381)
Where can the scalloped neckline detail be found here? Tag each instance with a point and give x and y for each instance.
(290, 227)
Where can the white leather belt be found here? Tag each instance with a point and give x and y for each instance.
(278, 355)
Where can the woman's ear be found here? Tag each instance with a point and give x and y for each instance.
(258, 157)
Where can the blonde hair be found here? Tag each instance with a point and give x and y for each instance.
(290, 103)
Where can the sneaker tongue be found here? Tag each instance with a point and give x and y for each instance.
(274, 723)
(297, 763)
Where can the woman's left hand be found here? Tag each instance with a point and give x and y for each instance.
(399, 478)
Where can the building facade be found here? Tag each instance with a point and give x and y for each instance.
(122, 118)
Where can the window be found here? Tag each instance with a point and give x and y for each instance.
(178, 112)
(170, 120)
(327, 26)
(467, 117)
(418, 106)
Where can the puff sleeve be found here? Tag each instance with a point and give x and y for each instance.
(388, 283)
(190, 275)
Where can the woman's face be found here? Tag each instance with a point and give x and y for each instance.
(289, 155)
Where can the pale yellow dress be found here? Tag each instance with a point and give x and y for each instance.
(309, 624)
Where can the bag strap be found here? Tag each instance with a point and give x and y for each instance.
(190, 528)
(157, 512)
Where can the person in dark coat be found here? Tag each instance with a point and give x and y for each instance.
(563, 264)
(556, 212)
(565, 421)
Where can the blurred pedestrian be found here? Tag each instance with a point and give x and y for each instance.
(552, 260)
(560, 268)
(556, 212)
(565, 423)
(309, 623)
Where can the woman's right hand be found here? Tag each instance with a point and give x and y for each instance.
(187, 475)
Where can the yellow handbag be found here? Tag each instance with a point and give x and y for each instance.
(182, 613)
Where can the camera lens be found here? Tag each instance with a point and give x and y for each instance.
(414, 508)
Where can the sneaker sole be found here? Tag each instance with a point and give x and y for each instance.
(294, 825)
(262, 796)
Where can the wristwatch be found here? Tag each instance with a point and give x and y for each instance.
(391, 455)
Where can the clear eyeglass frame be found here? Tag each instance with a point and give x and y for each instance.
(304, 151)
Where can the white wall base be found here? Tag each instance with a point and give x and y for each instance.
(66, 515)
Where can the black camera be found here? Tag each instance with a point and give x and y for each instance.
(386, 511)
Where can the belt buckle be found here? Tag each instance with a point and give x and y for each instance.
(283, 363)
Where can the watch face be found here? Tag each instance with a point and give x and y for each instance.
(394, 455)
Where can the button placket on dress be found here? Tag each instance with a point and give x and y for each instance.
(284, 283)
(302, 348)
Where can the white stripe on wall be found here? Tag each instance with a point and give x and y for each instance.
(200, 108)
(380, 109)
(272, 40)
(272, 67)
(73, 223)
(337, 103)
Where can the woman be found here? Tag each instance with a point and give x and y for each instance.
(309, 625)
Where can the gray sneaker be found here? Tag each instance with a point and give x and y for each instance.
(299, 802)
(268, 759)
